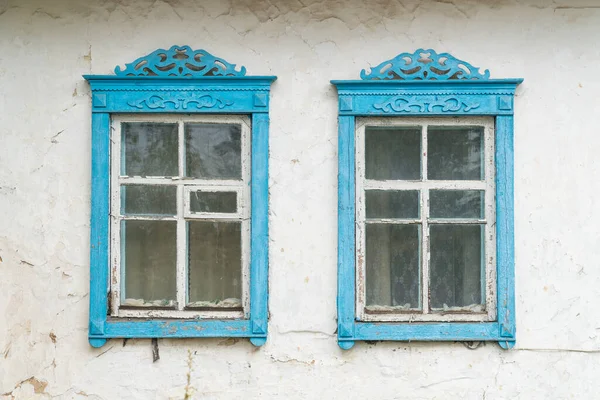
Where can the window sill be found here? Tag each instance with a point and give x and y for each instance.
(426, 331)
(255, 330)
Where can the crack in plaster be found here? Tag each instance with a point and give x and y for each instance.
(445, 381)
(41, 11)
(456, 7)
(576, 7)
(291, 360)
(557, 350)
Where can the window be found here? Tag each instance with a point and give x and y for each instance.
(179, 240)
(424, 196)
(180, 232)
(425, 249)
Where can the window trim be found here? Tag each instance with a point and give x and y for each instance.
(426, 84)
(488, 185)
(150, 85)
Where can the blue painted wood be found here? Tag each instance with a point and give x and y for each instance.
(258, 341)
(346, 220)
(406, 86)
(95, 342)
(373, 98)
(506, 345)
(193, 92)
(259, 239)
(180, 95)
(216, 81)
(131, 328)
(346, 344)
(505, 247)
(99, 223)
(179, 61)
(491, 84)
(424, 65)
(448, 331)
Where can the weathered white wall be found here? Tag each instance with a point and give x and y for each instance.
(45, 47)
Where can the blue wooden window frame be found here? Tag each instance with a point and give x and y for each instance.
(178, 81)
(425, 83)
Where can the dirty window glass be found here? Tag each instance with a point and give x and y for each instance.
(424, 210)
(181, 207)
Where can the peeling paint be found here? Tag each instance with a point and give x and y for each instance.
(44, 238)
(39, 386)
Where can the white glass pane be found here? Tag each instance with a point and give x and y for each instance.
(213, 151)
(148, 260)
(455, 153)
(213, 202)
(148, 200)
(215, 264)
(457, 204)
(392, 153)
(456, 266)
(392, 203)
(149, 149)
(392, 266)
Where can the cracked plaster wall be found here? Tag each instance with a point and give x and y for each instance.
(44, 197)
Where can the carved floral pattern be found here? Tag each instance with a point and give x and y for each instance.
(419, 104)
(182, 101)
(179, 61)
(424, 65)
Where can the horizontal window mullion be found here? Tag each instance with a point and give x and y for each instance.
(457, 221)
(215, 218)
(421, 317)
(416, 185)
(181, 314)
(392, 221)
(133, 180)
(142, 217)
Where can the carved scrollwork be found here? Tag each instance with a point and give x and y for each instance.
(424, 65)
(179, 61)
(423, 105)
(182, 101)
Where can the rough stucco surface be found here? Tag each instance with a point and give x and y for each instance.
(44, 197)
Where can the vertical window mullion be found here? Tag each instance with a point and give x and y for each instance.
(181, 225)
(425, 225)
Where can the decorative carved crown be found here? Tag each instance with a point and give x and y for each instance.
(179, 61)
(424, 65)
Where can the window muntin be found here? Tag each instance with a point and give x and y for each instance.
(180, 245)
(455, 214)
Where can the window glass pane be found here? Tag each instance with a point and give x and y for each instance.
(456, 204)
(457, 273)
(213, 151)
(392, 265)
(215, 264)
(455, 153)
(148, 260)
(393, 153)
(148, 199)
(214, 202)
(392, 203)
(149, 149)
